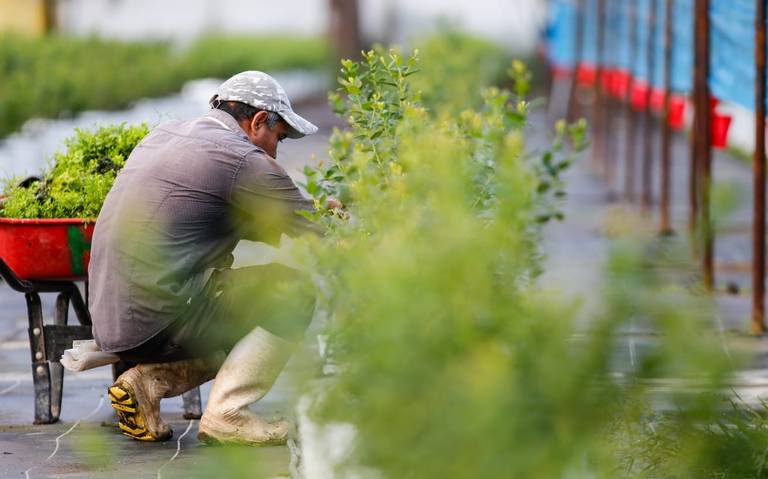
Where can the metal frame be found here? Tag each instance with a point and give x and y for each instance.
(47, 343)
(579, 52)
(598, 109)
(630, 164)
(758, 167)
(665, 221)
(646, 192)
(701, 220)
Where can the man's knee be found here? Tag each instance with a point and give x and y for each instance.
(283, 299)
(299, 295)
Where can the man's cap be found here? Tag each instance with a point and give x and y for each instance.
(261, 91)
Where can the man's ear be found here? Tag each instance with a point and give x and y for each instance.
(258, 120)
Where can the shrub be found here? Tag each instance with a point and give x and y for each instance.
(451, 365)
(451, 361)
(53, 76)
(457, 68)
(78, 180)
(223, 56)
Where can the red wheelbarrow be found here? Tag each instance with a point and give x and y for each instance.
(51, 256)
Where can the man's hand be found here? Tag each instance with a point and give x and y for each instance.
(334, 204)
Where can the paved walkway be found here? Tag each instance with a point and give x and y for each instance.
(578, 248)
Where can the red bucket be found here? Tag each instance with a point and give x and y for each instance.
(713, 102)
(586, 75)
(720, 126)
(47, 249)
(657, 100)
(621, 81)
(639, 97)
(606, 79)
(560, 72)
(677, 112)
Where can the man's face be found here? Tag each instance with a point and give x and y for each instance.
(260, 135)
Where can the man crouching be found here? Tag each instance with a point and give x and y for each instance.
(162, 290)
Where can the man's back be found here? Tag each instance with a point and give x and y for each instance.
(187, 194)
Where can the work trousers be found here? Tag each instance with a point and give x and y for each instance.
(234, 302)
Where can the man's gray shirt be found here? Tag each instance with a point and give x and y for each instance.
(188, 193)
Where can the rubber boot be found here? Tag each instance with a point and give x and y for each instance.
(137, 393)
(246, 376)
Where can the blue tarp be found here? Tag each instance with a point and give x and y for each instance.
(732, 53)
(639, 63)
(682, 46)
(732, 72)
(617, 34)
(560, 34)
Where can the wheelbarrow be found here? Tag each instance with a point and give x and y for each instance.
(51, 256)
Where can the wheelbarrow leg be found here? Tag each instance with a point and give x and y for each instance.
(60, 317)
(193, 408)
(41, 373)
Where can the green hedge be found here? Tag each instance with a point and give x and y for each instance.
(58, 76)
(78, 179)
(224, 56)
(455, 69)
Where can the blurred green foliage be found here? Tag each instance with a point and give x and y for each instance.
(451, 360)
(53, 76)
(223, 56)
(78, 179)
(456, 69)
(376, 95)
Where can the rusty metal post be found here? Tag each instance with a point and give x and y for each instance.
(49, 16)
(758, 165)
(598, 111)
(577, 56)
(693, 184)
(693, 173)
(631, 137)
(345, 28)
(611, 141)
(703, 140)
(647, 174)
(665, 223)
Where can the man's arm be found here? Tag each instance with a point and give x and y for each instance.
(266, 202)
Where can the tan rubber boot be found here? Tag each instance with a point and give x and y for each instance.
(246, 376)
(137, 393)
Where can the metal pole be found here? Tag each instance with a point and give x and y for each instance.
(49, 16)
(647, 174)
(758, 220)
(665, 223)
(693, 178)
(578, 54)
(345, 28)
(631, 137)
(598, 156)
(609, 158)
(703, 138)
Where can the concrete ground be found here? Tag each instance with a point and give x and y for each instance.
(86, 442)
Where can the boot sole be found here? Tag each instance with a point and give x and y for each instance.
(213, 441)
(226, 439)
(130, 418)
